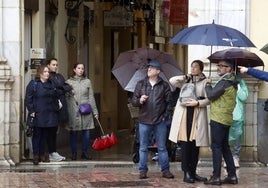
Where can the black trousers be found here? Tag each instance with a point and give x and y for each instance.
(51, 139)
(189, 151)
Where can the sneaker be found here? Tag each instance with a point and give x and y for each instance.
(224, 164)
(155, 157)
(236, 161)
(56, 157)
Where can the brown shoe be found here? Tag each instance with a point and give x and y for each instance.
(36, 160)
(167, 174)
(143, 175)
(44, 158)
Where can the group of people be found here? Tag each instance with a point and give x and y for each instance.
(190, 119)
(53, 102)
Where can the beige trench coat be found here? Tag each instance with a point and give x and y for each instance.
(199, 131)
(82, 93)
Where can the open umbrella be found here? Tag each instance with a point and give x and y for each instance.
(212, 35)
(131, 66)
(242, 57)
(265, 48)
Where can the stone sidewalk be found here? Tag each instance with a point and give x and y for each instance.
(116, 174)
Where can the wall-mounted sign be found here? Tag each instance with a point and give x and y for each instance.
(118, 16)
(38, 56)
(178, 12)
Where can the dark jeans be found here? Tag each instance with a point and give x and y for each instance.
(51, 139)
(39, 140)
(220, 148)
(85, 140)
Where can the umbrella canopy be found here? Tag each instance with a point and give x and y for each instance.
(212, 35)
(131, 66)
(265, 49)
(242, 57)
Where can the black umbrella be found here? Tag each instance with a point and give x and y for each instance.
(240, 56)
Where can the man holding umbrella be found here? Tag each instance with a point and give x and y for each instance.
(151, 95)
(223, 100)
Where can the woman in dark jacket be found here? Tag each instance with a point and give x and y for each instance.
(62, 88)
(42, 104)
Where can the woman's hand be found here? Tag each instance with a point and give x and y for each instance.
(192, 102)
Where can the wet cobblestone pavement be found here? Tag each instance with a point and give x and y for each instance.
(117, 174)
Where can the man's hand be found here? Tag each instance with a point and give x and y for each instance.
(143, 99)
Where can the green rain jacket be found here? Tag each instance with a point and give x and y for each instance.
(222, 97)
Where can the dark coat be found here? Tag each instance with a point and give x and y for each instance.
(42, 99)
(62, 88)
(155, 109)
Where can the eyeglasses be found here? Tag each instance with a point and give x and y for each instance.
(220, 66)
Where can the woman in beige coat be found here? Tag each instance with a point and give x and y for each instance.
(190, 122)
(82, 93)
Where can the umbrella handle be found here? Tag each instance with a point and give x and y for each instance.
(100, 126)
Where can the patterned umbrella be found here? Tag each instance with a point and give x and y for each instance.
(131, 66)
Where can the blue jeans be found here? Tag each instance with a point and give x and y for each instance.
(237, 147)
(220, 148)
(85, 140)
(160, 132)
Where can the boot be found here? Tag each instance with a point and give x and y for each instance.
(74, 156)
(85, 156)
(188, 178)
(36, 160)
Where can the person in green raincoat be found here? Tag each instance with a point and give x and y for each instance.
(236, 130)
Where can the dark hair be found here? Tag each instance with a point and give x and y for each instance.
(74, 67)
(200, 63)
(51, 59)
(230, 62)
(40, 70)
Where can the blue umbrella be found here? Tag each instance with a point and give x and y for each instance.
(212, 35)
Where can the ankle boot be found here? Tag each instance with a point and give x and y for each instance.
(74, 156)
(188, 178)
(85, 155)
(36, 160)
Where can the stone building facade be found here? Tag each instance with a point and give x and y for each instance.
(45, 25)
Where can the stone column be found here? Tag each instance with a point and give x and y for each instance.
(6, 82)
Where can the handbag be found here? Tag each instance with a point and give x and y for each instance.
(266, 105)
(30, 125)
(187, 92)
(85, 109)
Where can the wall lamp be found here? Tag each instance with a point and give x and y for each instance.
(72, 7)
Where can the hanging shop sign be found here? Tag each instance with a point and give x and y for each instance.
(118, 16)
(37, 56)
(178, 12)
